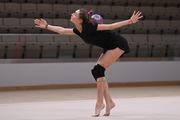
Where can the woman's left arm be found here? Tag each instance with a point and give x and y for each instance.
(134, 18)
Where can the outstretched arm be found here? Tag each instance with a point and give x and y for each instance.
(134, 18)
(41, 23)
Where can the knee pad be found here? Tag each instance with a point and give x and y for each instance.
(98, 71)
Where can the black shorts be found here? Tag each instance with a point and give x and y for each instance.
(119, 42)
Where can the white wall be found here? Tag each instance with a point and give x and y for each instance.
(74, 73)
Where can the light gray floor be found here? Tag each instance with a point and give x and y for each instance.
(132, 103)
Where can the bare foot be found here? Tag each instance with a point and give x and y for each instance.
(98, 110)
(108, 108)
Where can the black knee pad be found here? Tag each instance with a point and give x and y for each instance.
(98, 71)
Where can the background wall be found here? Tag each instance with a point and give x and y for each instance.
(25, 74)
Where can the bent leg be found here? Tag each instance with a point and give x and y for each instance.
(106, 60)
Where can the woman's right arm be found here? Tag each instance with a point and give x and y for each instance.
(41, 23)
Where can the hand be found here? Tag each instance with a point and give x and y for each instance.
(40, 23)
(135, 17)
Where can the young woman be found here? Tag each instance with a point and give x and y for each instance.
(100, 35)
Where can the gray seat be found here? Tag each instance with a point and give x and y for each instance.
(49, 14)
(158, 3)
(12, 6)
(145, 2)
(172, 10)
(175, 16)
(44, 7)
(154, 38)
(157, 49)
(145, 9)
(159, 9)
(2, 6)
(131, 9)
(126, 30)
(4, 14)
(61, 22)
(120, 2)
(175, 23)
(163, 23)
(32, 50)
(17, 14)
(96, 52)
(64, 14)
(32, 30)
(149, 23)
(141, 38)
(49, 50)
(11, 22)
(1, 22)
(150, 16)
(143, 49)
(140, 30)
(2, 50)
(28, 39)
(173, 49)
(29, 7)
(14, 50)
(42, 39)
(60, 7)
(82, 50)
(62, 38)
(3, 29)
(169, 30)
(118, 9)
(163, 16)
(174, 3)
(33, 14)
(16, 29)
(27, 22)
(10, 38)
(103, 9)
(67, 50)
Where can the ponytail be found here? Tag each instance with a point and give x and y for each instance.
(86, 16)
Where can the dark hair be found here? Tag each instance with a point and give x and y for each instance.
(86, 16)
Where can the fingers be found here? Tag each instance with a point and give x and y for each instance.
(140, 17)
(134, 12)
(39, 21)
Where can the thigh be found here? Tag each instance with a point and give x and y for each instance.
(109, 57)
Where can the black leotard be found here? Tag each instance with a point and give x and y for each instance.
(105, 39)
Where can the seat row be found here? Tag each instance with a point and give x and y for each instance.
(82, 50)
(99, 9)
(67, 23)
(26, 25)
(105, 15)
(61, 46)
(25, 38)
(103, 2)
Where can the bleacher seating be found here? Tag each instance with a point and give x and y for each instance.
(156, 35)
